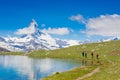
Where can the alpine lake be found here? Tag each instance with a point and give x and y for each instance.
(25, 68)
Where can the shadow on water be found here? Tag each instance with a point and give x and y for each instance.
(85, 62)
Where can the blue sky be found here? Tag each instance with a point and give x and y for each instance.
(78, 19)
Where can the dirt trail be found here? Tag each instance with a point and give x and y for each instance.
(89, 74)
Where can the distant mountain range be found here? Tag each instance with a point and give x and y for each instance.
(37, 40)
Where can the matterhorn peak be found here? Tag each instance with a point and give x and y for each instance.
(34, 23)
(34, 26)
(31, 29)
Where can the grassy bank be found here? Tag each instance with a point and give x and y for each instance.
(109, 55)
(70, 75)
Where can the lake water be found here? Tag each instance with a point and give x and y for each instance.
(25, 68)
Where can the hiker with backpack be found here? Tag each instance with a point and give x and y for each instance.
(83, 54)
(92, 54)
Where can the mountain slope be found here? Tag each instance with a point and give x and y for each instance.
(32, 38)
(33, 41)
(75, 51)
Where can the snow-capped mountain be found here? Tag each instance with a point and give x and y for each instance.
(34, 40)
(67, 43)
(110, 39)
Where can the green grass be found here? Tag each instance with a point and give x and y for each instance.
(71, 52)
(109, 55)
(70, 75)
(103, 49)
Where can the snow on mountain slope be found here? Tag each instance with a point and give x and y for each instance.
(32, 38)
(2, 39)
(6, 45)
(110, 39)
(67, 43)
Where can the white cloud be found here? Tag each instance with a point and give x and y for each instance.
(58, 31)
(43, 25)
(27, 30)
(79, 18)
(105, 25)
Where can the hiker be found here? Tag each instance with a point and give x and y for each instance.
(83, 53)
(92, 54)
(97, 55)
